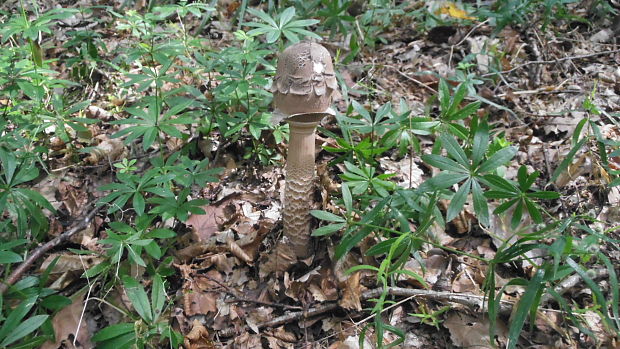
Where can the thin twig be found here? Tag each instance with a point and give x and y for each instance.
(410, 78)
(553, 61)
(41, 250)
(474, 301)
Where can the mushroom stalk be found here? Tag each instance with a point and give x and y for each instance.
(298, 198)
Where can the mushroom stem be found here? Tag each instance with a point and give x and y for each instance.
(299, 187)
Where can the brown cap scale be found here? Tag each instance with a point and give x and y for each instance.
(303, 87)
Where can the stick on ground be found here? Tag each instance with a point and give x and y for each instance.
(41, 250)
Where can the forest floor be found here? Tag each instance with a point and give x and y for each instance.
(536, 85)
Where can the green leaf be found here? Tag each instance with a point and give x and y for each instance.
(498, 159)
(16, 315)
(7, 257)
(158, 296)
(444, 163)
(526, 303)
(441, 181)
(328, 229)
(596, 290)
(138, 298)
(23, 329)
(480, 143)
(454, 149)
(444, 96)
(347, 198)
(327, 216)
(458, 200)
(517, 214)
(480, 204)
(533, 211)
(547, 195)
(113, 331)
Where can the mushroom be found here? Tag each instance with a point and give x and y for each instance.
(303, 88)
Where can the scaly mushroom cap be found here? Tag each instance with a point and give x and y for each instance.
(305, 80)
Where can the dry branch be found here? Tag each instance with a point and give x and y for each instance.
(41, 250)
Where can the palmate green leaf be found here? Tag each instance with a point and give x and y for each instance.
(459, 95)
(496, 194)
(444, 163)
(498, 159)
(444, 96)
(517, 214)
(458, 200)
(533, 210)
(480, 203)
(286, 16)
(547, 195)
(526, 303)
(464, 112)
(480, 143)
(454, 149)
(350, 240)
(441, 181)
(347, 199)
(138, 298)
(498, 183)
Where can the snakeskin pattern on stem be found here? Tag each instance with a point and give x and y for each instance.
(299, 187)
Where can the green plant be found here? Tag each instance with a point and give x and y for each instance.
(16, 326)
(519, 195)
(282, 25)
(149, 327)
(470, 167)
(23, 205)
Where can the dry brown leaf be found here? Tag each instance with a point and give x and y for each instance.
(216, 215)
(467, 331)
(109, 149)
(95, 112)
(70, 327)
(198, 337)
(68, 268)
(352, 292)
(198, 291)
(74, 198)
(247, 341)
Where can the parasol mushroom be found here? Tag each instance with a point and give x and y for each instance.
(303, 88)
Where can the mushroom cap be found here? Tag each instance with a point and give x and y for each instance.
(305, 81)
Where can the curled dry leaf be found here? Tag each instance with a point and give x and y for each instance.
(95, 112)
(280, 338)
(198, 337)
(352, 292)
(109, 149)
